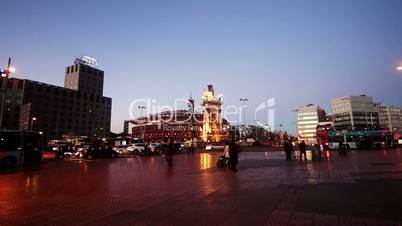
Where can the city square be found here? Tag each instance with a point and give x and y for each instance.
(362, 188)
(201, 112)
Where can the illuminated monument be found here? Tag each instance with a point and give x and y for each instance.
(212, 130)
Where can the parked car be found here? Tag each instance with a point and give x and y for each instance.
(214, 146)
(164, 148)
(57, 152)
(121, 149)
(99, 153)
(154, 148)
(137, 149)
(178, 148)
(81, 149)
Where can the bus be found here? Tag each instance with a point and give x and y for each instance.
(323, 134)
(349, 138)
(19, 148)
(355, 139)
(378, 139)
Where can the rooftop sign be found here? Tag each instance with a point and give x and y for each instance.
(87, 61)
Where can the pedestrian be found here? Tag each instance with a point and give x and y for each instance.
(226, 153)
(303, 149)
(322, 149)
(288, 150)
(169, 153)
(234, 155)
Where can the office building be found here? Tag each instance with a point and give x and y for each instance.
(79, 109)
(10, 102)
(84, 76)
(308, 118)
(355, 113)
(391, 117)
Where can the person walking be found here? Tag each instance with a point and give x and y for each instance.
(321, 151)
(169, 153)
(233, 155)
(288, 150)
(303, 149)
(226, 154)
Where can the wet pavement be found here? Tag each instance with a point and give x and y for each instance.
(363, 188)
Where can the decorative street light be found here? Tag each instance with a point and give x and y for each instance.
(142, 127)
(191, 106)
(399, 67)
(244, 100)
(5, 74)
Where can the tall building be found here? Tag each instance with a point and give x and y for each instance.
(308, 118)
(84, 76)
(126, 126)
(10, 102)
(78, 109)
(355, 112)
(391, 117)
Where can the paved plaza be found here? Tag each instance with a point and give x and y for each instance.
(363, 188)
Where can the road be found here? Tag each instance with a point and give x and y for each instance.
(363, 188)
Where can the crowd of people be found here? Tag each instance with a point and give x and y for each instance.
(289, 150)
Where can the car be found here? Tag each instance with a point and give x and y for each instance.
(178, 148)
(162, 149)
(154, 148)
(121, 149)
(100, 152)
(57, 152)
(214, 146)
(81, 149)
(137, 149)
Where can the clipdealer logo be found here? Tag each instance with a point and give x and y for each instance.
(144, 110)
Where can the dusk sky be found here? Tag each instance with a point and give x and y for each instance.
(299, 52)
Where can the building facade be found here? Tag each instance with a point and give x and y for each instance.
(355, 113)
(308, 118)
(79, 109)
(166, 126)
(391, 117)
(10, 102)
(84, 76)
(182, 125)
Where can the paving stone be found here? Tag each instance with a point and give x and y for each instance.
(267, 190)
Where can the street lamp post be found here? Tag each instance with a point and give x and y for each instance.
(192, 110)
(244, 100)
(142, 130)
(5, 74)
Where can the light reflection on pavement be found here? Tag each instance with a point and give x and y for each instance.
(267, 190)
